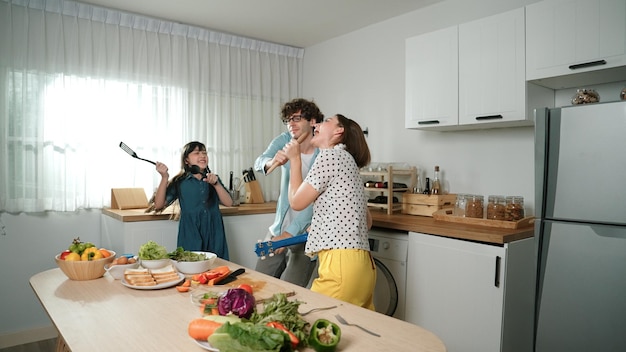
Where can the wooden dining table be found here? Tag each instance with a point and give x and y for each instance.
(104, 314)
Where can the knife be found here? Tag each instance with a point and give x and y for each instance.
(231, 277)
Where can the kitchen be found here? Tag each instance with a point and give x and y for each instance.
(345, 75)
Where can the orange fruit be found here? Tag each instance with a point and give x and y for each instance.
(182, 288)
(105, 252)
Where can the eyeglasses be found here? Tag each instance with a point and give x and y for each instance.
(294, 118)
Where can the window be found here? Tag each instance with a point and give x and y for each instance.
(76, 80)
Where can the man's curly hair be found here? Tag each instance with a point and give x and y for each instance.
(309, 110)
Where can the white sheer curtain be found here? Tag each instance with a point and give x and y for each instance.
(76, 79)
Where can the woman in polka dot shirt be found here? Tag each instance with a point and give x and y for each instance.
(338, 232)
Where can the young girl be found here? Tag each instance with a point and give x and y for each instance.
(338, 232)
(199, 193)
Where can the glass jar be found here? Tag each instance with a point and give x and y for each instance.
(514, 208)
(496, 206)
(474, 206)
(585, 96)
(459, 206)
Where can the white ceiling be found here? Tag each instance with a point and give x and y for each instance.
(299, 23)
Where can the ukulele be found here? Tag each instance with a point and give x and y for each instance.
(264, 249)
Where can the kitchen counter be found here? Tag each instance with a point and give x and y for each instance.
(428, 225)
(132, 215)
(104, 314)
(396, 221)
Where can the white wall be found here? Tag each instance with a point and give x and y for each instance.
(361, 75)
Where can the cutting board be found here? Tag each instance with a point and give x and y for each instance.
(263, 290)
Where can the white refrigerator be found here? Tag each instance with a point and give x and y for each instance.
(580, 234)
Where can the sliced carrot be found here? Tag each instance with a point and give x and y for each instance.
(201, 329)
(182, 288)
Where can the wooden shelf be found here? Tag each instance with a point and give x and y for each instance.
(388, 176)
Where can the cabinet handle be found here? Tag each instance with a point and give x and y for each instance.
(497, 280)
(490, 117)
(428, 122)
(587, 64)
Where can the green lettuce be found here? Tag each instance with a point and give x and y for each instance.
(249, 337)
(152, 250)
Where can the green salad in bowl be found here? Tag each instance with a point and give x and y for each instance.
(153, 256)
(192, 262)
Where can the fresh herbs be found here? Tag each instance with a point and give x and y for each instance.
(181, 255)
(280, 309)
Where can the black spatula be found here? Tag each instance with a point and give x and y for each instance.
(132, 153)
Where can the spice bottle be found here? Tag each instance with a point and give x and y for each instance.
(496, 206)
(514, 208)
(436, 188)
(427, 186)
(474, 206)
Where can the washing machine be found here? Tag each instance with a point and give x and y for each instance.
(389, 249)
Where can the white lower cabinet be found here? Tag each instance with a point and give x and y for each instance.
(474, 296)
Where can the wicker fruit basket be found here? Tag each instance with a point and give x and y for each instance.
(84, 270)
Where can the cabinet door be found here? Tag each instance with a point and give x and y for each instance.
(571, 36)
(432, 79)
(455, 289)
(492, 78)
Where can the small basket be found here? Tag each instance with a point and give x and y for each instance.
(84, 270)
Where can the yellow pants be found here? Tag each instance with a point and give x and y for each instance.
(348, 275)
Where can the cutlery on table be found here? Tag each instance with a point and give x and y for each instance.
(344, 322)
(317, 310)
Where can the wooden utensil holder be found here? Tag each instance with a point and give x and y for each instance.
(253, 192)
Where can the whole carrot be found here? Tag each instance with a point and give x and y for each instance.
(201, 329)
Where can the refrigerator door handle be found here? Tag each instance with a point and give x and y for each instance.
(496, 282)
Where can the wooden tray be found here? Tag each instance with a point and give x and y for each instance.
(446, 215)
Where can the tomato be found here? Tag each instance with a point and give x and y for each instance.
(246, 288)
(64, 254)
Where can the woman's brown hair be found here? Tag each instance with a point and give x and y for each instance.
(354, 139)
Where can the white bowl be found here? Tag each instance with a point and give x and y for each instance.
(198, 266)
(117, 270)
(155, 264)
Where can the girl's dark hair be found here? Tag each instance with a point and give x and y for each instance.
(354, 139)
(309, 110)
(184, 168)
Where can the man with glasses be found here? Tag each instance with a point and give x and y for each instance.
(290, 263)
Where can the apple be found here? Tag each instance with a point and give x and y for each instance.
(64, 254)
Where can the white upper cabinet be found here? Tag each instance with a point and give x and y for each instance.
(492, 78)
(432, 66)
(567, 37)
(472, 76)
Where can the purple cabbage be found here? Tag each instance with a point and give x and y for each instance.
(236, 301)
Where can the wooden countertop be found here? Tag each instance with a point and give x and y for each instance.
(428, 225)
(104, 314)
(131, 215)
(396, 221)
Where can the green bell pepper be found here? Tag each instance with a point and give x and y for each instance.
(324, 336)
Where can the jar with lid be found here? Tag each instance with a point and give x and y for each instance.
(585, 96)
(496, 206)
(514, 208)
(474, 206)
(459, 206)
